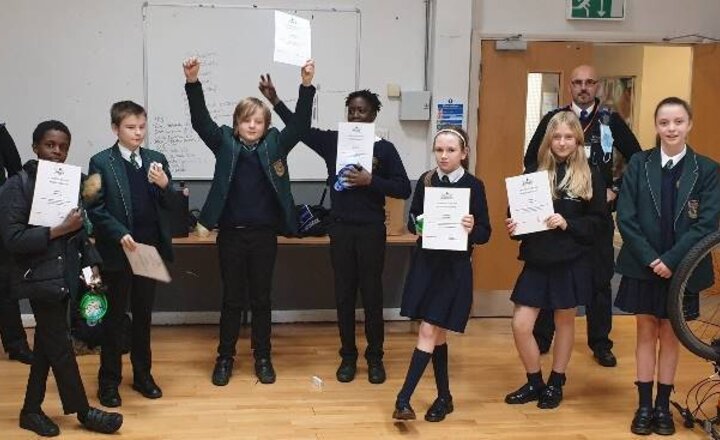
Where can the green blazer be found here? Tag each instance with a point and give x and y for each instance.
(111, 210)
(272, 150)
(638, 215)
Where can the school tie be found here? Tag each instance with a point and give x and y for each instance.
(445, 179)
(668, 165)
(133, 160)
(583, 117)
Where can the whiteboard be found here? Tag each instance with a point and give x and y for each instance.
(235, 45)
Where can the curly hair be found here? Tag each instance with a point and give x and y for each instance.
(372, 98)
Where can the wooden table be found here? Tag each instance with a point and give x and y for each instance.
(195, 240)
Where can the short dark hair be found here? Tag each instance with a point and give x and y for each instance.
(46, 126)
(122, 109)
(372, 98)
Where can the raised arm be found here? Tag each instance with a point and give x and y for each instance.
(298, 125)
(200, 118)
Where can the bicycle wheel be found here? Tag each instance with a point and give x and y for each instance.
(695, 316)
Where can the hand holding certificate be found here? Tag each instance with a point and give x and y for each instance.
(57, 192)
(356, 141)
(145, 261)
(530, 201)
(443, 213)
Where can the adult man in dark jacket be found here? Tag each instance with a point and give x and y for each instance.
(14, 339)
(606, 135)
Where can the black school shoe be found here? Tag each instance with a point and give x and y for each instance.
(346, 371)
(642, 423)
(663, 421)
(39, 423)
(222, 371)
(403, 411)
(376, 372)
(524, 394)
(440, 408)
(264, 370)
(550, 397)
(109, 396)
(104, 422)
(605, 357)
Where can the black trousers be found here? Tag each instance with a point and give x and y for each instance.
(599, 310)
(53, 349)
(358, 256)
(247, 262)
(12, 332)
(123, 286)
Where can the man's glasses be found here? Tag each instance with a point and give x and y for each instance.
(586, 83)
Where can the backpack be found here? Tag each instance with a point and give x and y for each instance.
(313, 220)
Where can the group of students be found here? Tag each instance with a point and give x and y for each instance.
(662, 211)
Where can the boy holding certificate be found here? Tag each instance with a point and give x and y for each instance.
(438, 288)
(46, 266)
(357, 234)
(557, 274)
(133, 206)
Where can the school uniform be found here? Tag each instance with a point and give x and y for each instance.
(609, 142)
(251, 202)
(32, 250)
(662, 212)
(358, 236)
(558, 265)
(128, 203)
(12, 333)
(439, 285)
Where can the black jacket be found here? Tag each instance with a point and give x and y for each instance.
(584, 218)
(9, 165)
(43, 268)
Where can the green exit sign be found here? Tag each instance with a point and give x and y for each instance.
(595, 9)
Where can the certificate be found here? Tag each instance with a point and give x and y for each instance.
(57, 192)
(145, 261)
(356, 141)
(443, 210)
(292, 39)
(530, 201)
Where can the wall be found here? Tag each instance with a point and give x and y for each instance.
(70, 60)
(646, 20)
(666, 72)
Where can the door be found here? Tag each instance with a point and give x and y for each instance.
(500, 147)
(705, 96)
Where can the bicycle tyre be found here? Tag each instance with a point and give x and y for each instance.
(676, 293)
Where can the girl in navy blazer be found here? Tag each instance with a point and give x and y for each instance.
(670, 200)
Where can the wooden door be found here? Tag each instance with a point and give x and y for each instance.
(501, 135)
(704, 98)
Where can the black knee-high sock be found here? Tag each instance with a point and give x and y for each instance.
(556, 379)
(440, 367)
(662, 399)
(645, 390)
(418, 363)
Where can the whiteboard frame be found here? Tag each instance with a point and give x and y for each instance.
(147, 5)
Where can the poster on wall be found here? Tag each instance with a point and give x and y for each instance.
(449, 113)
(618, 93)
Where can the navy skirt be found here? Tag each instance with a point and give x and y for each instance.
(560, 286)
(438, 289)
(650, 297)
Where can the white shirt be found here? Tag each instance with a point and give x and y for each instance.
(453, 176)
(664, 158)
(577, 109)
(125, 153)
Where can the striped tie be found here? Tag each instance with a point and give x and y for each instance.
(133, 160)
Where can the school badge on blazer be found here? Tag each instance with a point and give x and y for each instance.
(692, 208)
(279, 167)
(375, 163)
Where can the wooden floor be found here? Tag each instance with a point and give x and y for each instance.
(599, 402)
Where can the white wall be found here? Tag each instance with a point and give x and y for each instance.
(71, 59)
(646, 20)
